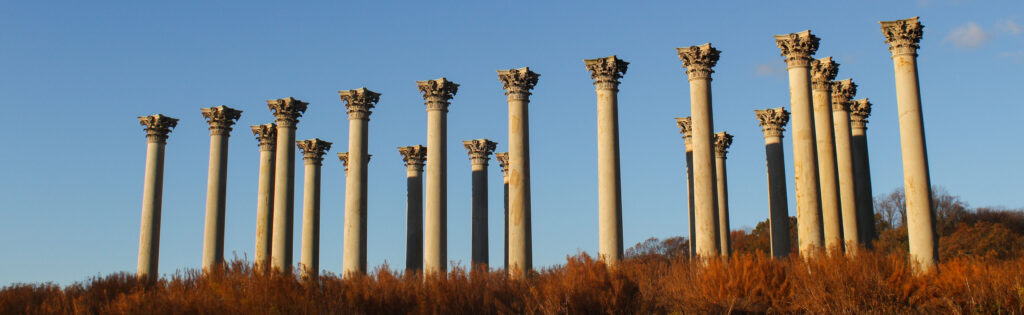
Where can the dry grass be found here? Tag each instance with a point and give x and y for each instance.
(748, 283)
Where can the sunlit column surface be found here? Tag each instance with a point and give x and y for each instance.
(842, 93)
(313, 151)
(267, 136)
(220, 118)
(517, 84)
(606, 73)
(823, 71)
(685, 127)
(157, 128)
(287, 111)
(722, 142)
(358, 102)
(437, 95)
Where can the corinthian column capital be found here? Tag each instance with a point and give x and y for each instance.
(698, 60)
(518, 82)
(313, 150)
(266, 134)
(413, 155)
(903, 36)
(287, 110)
(772, 121)
(438, 93)
(479, 150)
(359, 102)
(606, 71)
(157, 127)
(343, 156)
(822, 71)
(221, 118)
(797, 47)
(842, 92)
(685, 127)
(859, 112)
(722, 142)
(502, 161)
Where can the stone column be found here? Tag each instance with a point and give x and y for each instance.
(606, 73)
(157, 128)
(503, 162)
(414, 157)
(685, 127)
(823, 71)
(220, 118)
(698, 61)
(358, 102)
(313, 153)
(267, 136)
(798, 48)
(479, 152)
(859, 112)
(903, 37)
(842, 93)
(437, 95)
(773, 123)
(517, 84)
(287, 111)
(722, 142)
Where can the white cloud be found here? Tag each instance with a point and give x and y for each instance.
(1009, 26)
(968, 36)
(769, 69)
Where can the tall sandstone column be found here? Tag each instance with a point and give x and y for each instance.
(698, 61)
(437, 95)
(220, 118)
(859, 112)
(722, 142)
(773, 123)
(903, 37)
(414, 157)
(313, 153)
(503, 162)
(685, 128)
(157, 128)
(606, 73)
(359, 102)
(287, 111)
(517, 84)
(842, 93)
(267, 137)
(479, 153)
(798, 48)
(823, 71)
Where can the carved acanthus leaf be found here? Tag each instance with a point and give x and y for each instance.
(157, 127)
(313, 150)
(822, 71)
(842, 92)
(287, 110)
(221, 118)
(606, 71)
(698, 60)
(859, 112)
(359, 102)
(438, 93)
(502, 161)
(480, 149)
(903, 36)
(518, 82)
(722, 142)
(797, 47)
(266, 134)
(413, 155)
(772, 121)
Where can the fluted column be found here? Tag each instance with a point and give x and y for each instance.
(685, 128)
(606, 73)
(773, 123)
(220, 118)
(359, 102)
(823, 71)
(157, 128)
(287, 111)
(842, 93)
(437, 95)
(267, 137)
(903, 37)
(722, 142)
(479, 153)
(859, 112)
(503, 162)
(414, 157)
(313, 153)
(798, 48)
(698, 61)
(517, 84)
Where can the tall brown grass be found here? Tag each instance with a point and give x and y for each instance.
(747, 283)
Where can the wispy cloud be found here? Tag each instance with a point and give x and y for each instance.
(1009, 26)
(969, 35)
(1015, 56)
(773, 68)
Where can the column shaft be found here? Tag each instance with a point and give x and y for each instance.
(862, 169)
(777, 199)
(689, 196)
(805, 162)
(265, 207)
(311, 221)
(216, 187)
(827, 173)
(519, 186)
(847, 185)
(479, 228)
(435, 245)
(414, 218)
(152, 197)
(284, 197)
(723, 206)
(505, 182)
(704, 181)
(354, 256)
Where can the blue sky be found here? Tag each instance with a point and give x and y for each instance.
(76, 74)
